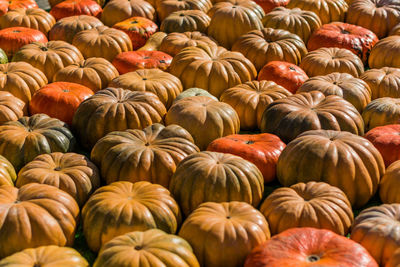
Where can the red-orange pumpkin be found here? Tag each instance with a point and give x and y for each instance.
(134, 60)
(12, 39)
(268, 5)
(6, 5)
(70, 8)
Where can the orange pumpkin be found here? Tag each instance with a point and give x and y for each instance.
(186, 21)
(327, 10)
(389, 185)
(7, 172)
(135, 60)
(166, 7)
(11, 108)
(119, 10)
(8, 5)
(384, 82)
(70, 8)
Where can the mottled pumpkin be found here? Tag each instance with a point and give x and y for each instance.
(389, 185)
(384, 82)
(381, 111)
(68, 8)
(166, 7)
(136, 60)
(385, 53)
(387, 140)
(118, 10)
(7, 172)
(327, 10)
(11, 108)
(186, 21)
(8, 5)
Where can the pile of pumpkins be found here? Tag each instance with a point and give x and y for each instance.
(159, 126)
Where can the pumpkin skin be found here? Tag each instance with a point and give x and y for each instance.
(250, 100)
(70, 172)
(119, 10)
(380, 112)
(124, 207)
(394, 259)
(303, 247)
(332, 154)
(95, 73)
(8, 5)
(352, 89)
(166, 86)
(261, 47)
(333, 59)
(269, 5)
(388, 187)
(11, 108)
(65, 29)
(194, 92)
(297, 21)
(186, 21)
(385, 53)
(34, 18)
(3, 57)
(115, 109)
(202, 66)
(376, 229)
(136, 60)
(219, 225)
(166, 7)
(21, 79)
(197, 113)
(45, 256)
(154, 42)
(146, 245)
(139, 30)
(261, 149)
(7, 172)
(249, 4)
(49, 57)
(39, 214)
(70, 8)
(59, 100)
(384, 82)
(102, 42)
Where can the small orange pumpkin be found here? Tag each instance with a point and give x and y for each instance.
(135, 60)
(69, 8)
(12, 39)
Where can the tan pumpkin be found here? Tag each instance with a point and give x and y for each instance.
(166, 86)
(11, 108)
(119, 10)
(325, 60)
(327, 10)
(202, 66)
(381, 111)
(384, 82)
(395, 31)
(124, 207)
(267, 45)
(166, 7)
(194, 92)
(231, 228)
(250, 99)
(389, 185)
(385, 53)
(352, 89)
(154, 42)
(95, 73)
(7, 172)
(253, 5)
(186, 21)
(312, 204)
(297, 21)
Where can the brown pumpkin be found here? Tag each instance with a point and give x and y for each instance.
(327, 10)
(395, 31)
(118, 10)
(381, 111)
(384, 82)
(11, 108)
(7, 172)
(385, 53)
(166, 7)
(186, 21)
(389, 185)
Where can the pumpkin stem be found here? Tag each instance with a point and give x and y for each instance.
(57, 168)
(43, 48)
(138, 247)
(248, 142)
(291, 68)
(345, 32)
(313, 258)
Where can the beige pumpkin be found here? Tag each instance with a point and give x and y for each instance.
(166, 7)
(381, 111)
(11, 108)
(385, 53)
(186, 21)
(390, 184)
(384, 82)
(327, 10)
(119, 10)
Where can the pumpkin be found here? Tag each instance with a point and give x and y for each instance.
(240, 18)
(250, 99)
(197, 113)
(257, 9)
(49, 57)
(95, 73)
(379, 16)
(194, 92)
(166, 86)
(11, 108)
(332, 154)
(394, 260)
(202, 66)
(34, 18)
(65, 29)
(71, 172)
(38, 214)
(261, 149)
(384, 82)
(308, 246)
(139, 29)
(115, 109)
(174, 42)
(333, 59)
(136, 60)
(21, 79)
(70, 8)
(376, 230)
(119, 10)
(7, 172)
(395, 30)
(387, 140)
(12, 39)
(388, 187)
(102, 42)
(269, 5)
(343, 35)
(186, 21)
(296, 21)
(385, 53)
(124, 207)
(154, 42)
(134, 247)
(3, 57)
(352, 89)
(327, 10)
(166, 7)
(46, 256)
(381, 111)
(8, 5)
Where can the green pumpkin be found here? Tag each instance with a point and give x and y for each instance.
(3, 57)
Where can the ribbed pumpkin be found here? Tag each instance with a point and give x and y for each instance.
(123, 207)
(385, 53)
(384, 82)
(118, 10)
(65, 29)
(332, 154)
(389, 185)
(166, 7)
(312, 204)
(49, 57)
(136, 60)
(394, 260)
(145, 246)
(38, 214)
(216, 177)
(381, 111)
(395, 31)
(7, 172)
(327, 10)
(186, 21)
(151, 155)
(115, 109)
(95, 73)
(376, 229)
(268, 44)
(166, 86)
(297, 21)
(202, 66)
(219, 225)
(250, 100)
(387, 140)
(11, 108)
(194, 92)
(352, 89)
(327, 60)
(198, 113)
(102, 42)
(154, 42)
(70, 8)
(8, 5)
(34, 18)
